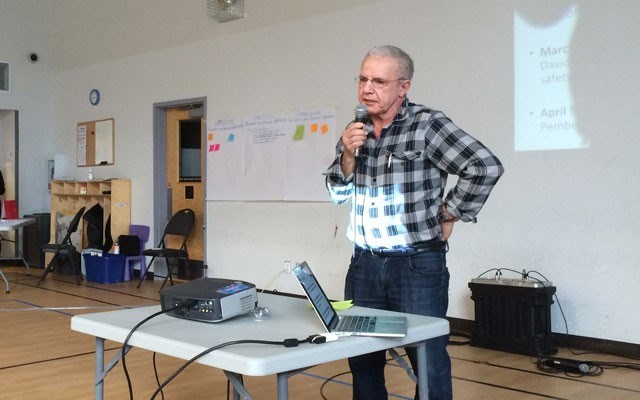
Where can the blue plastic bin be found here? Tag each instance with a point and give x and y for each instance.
(104, 268)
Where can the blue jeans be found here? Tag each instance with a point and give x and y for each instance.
(416, 284)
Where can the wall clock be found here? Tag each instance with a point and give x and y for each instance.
(94, 97)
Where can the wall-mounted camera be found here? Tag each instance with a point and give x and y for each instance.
(33, 57)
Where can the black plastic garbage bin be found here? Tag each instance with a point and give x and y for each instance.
(34, 236)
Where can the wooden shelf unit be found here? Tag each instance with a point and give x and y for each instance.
(113, 195)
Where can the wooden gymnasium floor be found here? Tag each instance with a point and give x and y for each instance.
(41, 358)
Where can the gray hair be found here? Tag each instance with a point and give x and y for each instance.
(405, 63)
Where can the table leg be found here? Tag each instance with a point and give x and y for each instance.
(238, 386)
(17, 250)
(4, 278)
(240, 390)
(99, 389)
(26, 264)
(423, 383)
(283, 386)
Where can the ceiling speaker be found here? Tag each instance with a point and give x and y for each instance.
(225, 10)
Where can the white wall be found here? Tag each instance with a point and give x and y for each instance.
(568, 214)
(30, 94)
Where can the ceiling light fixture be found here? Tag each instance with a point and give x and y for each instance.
(225, 10)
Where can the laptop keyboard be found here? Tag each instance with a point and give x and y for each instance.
(356, 324)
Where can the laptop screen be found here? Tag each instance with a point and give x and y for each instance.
(315, 294)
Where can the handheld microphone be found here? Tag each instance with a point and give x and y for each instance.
(362, 115)
(568, 365)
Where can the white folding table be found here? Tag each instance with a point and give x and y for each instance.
(8, 225)
(291, 317)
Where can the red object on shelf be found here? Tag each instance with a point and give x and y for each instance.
(10, 209)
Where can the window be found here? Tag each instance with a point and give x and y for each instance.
(190, 150)
(4, 77)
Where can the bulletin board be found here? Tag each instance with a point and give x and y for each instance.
(95, 143)
(270, 156)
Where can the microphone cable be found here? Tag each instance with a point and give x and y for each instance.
(355, 206)
(571, 368)
(360, 164)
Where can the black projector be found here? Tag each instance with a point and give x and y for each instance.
(209, 299)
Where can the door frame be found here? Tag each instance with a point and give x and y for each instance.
(14, 180)
(161, 206)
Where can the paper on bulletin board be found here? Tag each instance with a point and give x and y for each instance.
(82, 145)
(225, 159)
(274, 156)
(310, 152)
(266, 155)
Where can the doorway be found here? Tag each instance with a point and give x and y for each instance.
(179, 166)
(9, 171)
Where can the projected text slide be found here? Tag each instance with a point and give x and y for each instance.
(544, 112)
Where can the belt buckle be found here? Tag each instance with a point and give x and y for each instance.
(376, 252)
(392, 252)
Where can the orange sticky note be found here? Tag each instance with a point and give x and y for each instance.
(314, 128)
(324, 128)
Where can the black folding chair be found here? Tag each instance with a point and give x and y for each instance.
(179, 226)
(64, 249)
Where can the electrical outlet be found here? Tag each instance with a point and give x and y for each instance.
(287, 267)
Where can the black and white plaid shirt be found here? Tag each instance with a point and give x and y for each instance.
(401, 179)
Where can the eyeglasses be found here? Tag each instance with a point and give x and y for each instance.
(377, 83)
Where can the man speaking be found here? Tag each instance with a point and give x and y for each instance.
(393, 166)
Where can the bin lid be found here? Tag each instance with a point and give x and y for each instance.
(528, 283)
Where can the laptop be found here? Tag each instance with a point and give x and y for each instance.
(346, 325)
